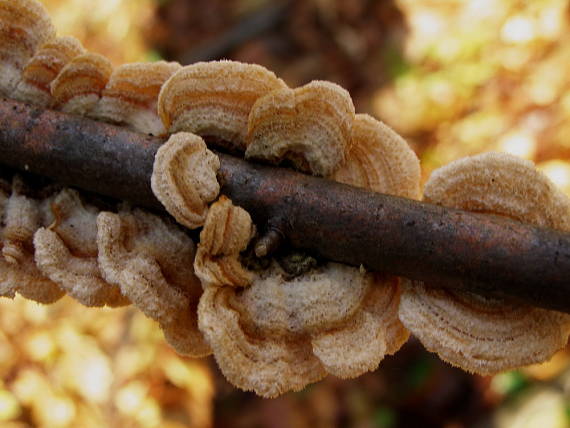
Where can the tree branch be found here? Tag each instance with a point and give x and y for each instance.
(446, 247)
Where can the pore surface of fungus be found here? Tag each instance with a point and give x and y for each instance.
(43, 68)
(131, 96)
(66, 252)
(309, 126)
(150, 259)
(78, 87)
(279, 333)
(22, 216)
(214, 98)
(486, 335)
(184, 178)
(24, 26)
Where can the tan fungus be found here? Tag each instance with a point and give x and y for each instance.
(21, 218)
(150, 259)
(24, 26)
(280, 334)
(184, 178)
(43, 68)
(380, 160)
(482, 334)
(66, 252)
(227, 232)
(78, 87)
(310, 126)
(215, 98)
(131, 96)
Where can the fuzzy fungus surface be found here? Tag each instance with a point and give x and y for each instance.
(215, 98)
(24, 26)
(487, 335)
(43, 68)
(131, 96)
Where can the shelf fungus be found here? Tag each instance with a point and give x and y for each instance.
(43, 68)
(226, 234)
(273, 332)
(21, 217)
(184, 178)
(78, 87)
(214, 98)
(150, 259)
(131, 96)
(486, 335)
(380, 160)
(24, 26)
(279, 334)
(308, 126)
(66, 252)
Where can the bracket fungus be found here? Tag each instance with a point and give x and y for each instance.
(78, 87)
(43, 68)
(21, 217)
(24, 26)
(214, 98)
(279, 334)
(226, 234)
(66, 252)
(380, 160)
(309, 126)
(271, 332)
(131, 96)
(150, 259)
(486, 335)
(184, 178)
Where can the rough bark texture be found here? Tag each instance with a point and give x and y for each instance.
(448, 247)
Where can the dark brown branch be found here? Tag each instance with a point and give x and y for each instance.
(447, 247)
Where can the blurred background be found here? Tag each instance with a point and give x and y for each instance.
(454, 77)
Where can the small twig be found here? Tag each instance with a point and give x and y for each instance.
(446, 247)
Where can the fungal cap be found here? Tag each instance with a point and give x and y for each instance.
(184, 178)
(227, 232)
(380, 160)
(79, 85)
(214, 98)
(24, 26)
(67, 252)
(481, 334)
(18, 273)
(150, 259)
(309, 126)
(265, 365)
(502, 184)
(131, 95)
(43, 68)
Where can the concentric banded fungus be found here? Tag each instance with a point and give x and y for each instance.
(227, 232)
(66, 252)
(150, 259)
(481, 334)
(131, 96)
(24, 26)
(21, 218)
(310, 126)
(184, 178)
(79, 85)
(281, 334)
(380, 160)
(214, 98)
(43, 68)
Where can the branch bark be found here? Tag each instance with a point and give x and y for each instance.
(446, 247)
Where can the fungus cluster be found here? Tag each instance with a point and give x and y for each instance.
(271, 327)
(481, 334)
